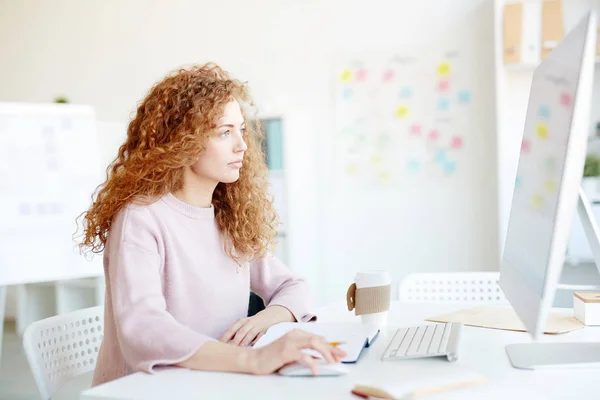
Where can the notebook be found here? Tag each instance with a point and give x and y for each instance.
(354, 337)
(420, 382)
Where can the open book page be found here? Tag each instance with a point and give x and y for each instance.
(354, 337)
(506, 318)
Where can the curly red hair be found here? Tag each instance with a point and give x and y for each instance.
(168, 134)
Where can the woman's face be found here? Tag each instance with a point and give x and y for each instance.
(223, 156)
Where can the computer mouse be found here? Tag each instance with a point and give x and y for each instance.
(325, 369)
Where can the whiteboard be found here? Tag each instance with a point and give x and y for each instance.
(402, 116)
(49, 169)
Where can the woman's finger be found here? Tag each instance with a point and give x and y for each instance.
(321, 345)
(250, 336)
(311, 362)
(257, 338)
(241, 333)
(231, 331)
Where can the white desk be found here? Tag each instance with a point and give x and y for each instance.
(481, 350)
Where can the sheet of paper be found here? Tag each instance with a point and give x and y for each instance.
(506, 318)
(352, 336)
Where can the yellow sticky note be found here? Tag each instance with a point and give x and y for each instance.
(376, 159)
(550, 185)
(352, 169)
(384, 177)
(537, 201)
(346, 75)
(443, 69)
(542, 131)
(402, 111)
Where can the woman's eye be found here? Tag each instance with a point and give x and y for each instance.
(223, 134)
(243, 131)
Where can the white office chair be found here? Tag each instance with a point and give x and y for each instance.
(452, 287)
(63, 347)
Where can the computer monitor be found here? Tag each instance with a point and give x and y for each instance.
(547, 194)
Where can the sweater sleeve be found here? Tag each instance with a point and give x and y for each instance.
(147, 333)
(278, 285)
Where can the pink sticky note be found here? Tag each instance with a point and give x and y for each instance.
(456, 143)
(434, 134)
(415, 129)
(361, 75)
(525, 146)
(388, 75)
(443, 86)
(565, 100)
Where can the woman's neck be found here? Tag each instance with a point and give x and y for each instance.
(196, 192)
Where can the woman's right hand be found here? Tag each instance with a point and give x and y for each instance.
(288, 349)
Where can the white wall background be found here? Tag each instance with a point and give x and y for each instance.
(109, 53)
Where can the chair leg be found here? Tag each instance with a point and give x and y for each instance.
(2, 310)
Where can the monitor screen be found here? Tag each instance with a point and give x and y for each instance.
(540, 170)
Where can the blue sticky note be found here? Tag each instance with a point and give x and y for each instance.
(406, 92)
(443, 104)
(414, 165)
(440, 156)
(450, 167)
(544, 111)
(517, 182)
(464, 96)
(347, 92)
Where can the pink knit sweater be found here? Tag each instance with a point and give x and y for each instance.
(170, 287)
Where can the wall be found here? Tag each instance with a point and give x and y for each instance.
(109, 53)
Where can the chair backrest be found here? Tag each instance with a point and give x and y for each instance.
(62, 347)
(452, 287)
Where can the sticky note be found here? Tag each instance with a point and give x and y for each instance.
(443, 104)
(402, 111)
(442, 86)
(541, 131)
(525, 146)
(376, 159)
(406, 92)
(414, 165)
(352, 169)
(517, 182)
(347, 92)
(346, 75)
(550, 164)
(440, 156)
(434, 134)
(566, 100)
(544, 111)
(384, 177)
(464, 96)
(388, 75)
(415, 129)
(456, 142)
(443, 69)
(449, 167)
(550, 185)
(361, 75)
(537, 201)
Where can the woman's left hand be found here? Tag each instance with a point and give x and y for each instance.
(247, 331)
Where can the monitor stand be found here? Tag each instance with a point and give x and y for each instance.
(565, 355)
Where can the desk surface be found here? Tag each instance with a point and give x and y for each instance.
(481, 350)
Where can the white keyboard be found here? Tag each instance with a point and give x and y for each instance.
(424, 341)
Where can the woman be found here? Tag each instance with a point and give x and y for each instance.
(185, 223)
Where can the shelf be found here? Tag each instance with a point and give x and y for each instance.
(530, 66)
